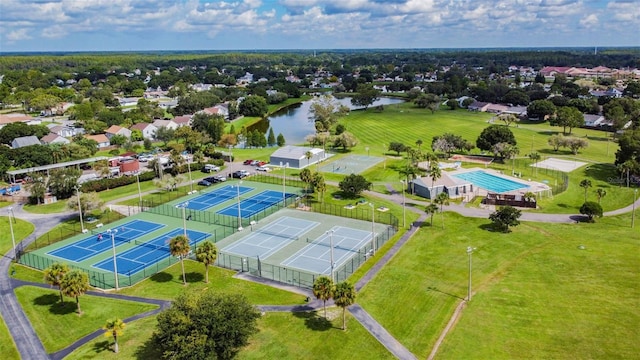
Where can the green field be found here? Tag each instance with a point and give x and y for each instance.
(50, 320)
(21, 229)
(516, 277)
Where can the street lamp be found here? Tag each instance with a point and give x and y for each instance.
(239, 212)
(373, 225)
(330, 232)
(113, 233)
(139, 191)
(190, 179)
(80, 209)
(367, 148)
(633, 213)
(13, 238)
(469, 252)
(230, 161)
(404, 217)
(284, 177)
(184, 217)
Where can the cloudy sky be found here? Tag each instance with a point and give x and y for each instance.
(116, 25)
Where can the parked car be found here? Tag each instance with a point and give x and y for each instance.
(215, 179)
(247, 162)
(210, 168)
(204, 182)
(240, 174)
(263, 168)
(262, 163)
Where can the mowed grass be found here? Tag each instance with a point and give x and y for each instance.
(21, 229)
(59, 326)
(167, 285)
(537, 294)
(309, 335)
(7, 346)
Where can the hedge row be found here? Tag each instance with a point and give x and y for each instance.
(110, 183)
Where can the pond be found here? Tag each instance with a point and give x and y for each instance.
(293, 122)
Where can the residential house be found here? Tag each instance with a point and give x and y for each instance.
(478, 106)
(220, 109)
(64, 131)
(117, 130)
(613, 93)
(184, 120)
(593, 120)
(128, 101)
(24, 141)
(169, 124)
(496, 108)
(15, 118)
(101, 139)
(148, 130)
(52, 138)
(519, 111)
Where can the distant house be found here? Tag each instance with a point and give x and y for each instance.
(496, 108)
(296, 156)
(184, 120)
(148, 130)
(453, 186)
(593, 120)
(519, 111)
(101, 139)
(15, 118)
(24, 141)
(478, 106)
(169, 124)
(220, 109)
(52, 138)
(128, 101)
(613, 93)
(118, 130)
(64, 131)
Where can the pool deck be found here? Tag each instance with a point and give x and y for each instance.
(532, 186)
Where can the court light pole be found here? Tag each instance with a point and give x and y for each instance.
(239, 212)
(80, 209)
(404, 213)
(284, 180)
(190, 178)
(230, 162)
(113, 233)
(184, 217)
(330, 232)
(13, 238)
(373, 225)
(139, 191)
(633, 212)
(469, 252)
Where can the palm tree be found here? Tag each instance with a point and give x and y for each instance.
(442, 199)
(419, 143)
(114, 328)
(344, 295)
(434, 173)
(600, 193)
(534, 156)
(585, 184)
(54, 274)
(207, 253)
(431, 209)
(319, 184)
(179, 247)
(306, 176)
(323, 290)
(74, 284)
(308, 155)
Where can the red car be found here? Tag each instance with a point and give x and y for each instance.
(247, 162)
(262, 163)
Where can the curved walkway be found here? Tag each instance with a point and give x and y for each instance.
(30, 347)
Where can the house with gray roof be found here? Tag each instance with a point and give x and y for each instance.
(453, 186)
(24, 141)
(296, 156)
(52, 138)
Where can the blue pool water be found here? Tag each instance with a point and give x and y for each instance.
(490, 182)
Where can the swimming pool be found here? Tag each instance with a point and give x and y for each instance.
(491, 182)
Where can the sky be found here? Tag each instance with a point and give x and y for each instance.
(139, 25)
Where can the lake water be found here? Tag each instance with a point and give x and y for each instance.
(293, 122)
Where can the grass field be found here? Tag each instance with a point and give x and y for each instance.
(7, 346)
(168, 285)
(50, 320)
(593, 293)
(21, 229)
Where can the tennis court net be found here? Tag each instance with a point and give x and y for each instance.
(284, 236)
(322, 243)
(152, 246)
(105, 235)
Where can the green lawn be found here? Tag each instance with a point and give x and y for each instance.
(21, 229)
(537, 294)
(25, 273)
(56, 207)
(168, 285)
(131, 343)
(7, 346)
(311, 336)
(59, 326)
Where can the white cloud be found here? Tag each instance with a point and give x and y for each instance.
(17, 35)
(589, 21)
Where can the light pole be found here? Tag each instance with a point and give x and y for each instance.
(367, 148)
(239, 212)
(404, 217)
(469, 252)
(330, 232)
(139, 191)
(184, 217)
(633, 212)
(373, 226)
(80, 209)
(190, 178)
(284, 177)
(113, 233)
(13, 238)
(230, 162)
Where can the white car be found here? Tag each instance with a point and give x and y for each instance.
(263, 168)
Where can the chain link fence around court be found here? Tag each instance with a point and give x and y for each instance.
(106, 280)
(558, 181)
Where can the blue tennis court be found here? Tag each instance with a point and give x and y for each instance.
(271, 238)
(255, 204)
(316, 256)
(148, 253)
(213, 198)
(97, 243)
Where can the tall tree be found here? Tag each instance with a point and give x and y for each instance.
(441, 200)
(179, 247)
(431, 209)
(54, 274)
(365, 95)
(585, 184)
(600, 193)
(344, 295)
(323, 290)
(114, 328)
(207, 253)
(434, 173)
(495, 134)
(74, 284)
(568, 117)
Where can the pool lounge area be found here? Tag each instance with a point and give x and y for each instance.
(491, 182)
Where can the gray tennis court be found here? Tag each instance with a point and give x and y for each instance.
(316, 256)
(271, 238)
(353, 164)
